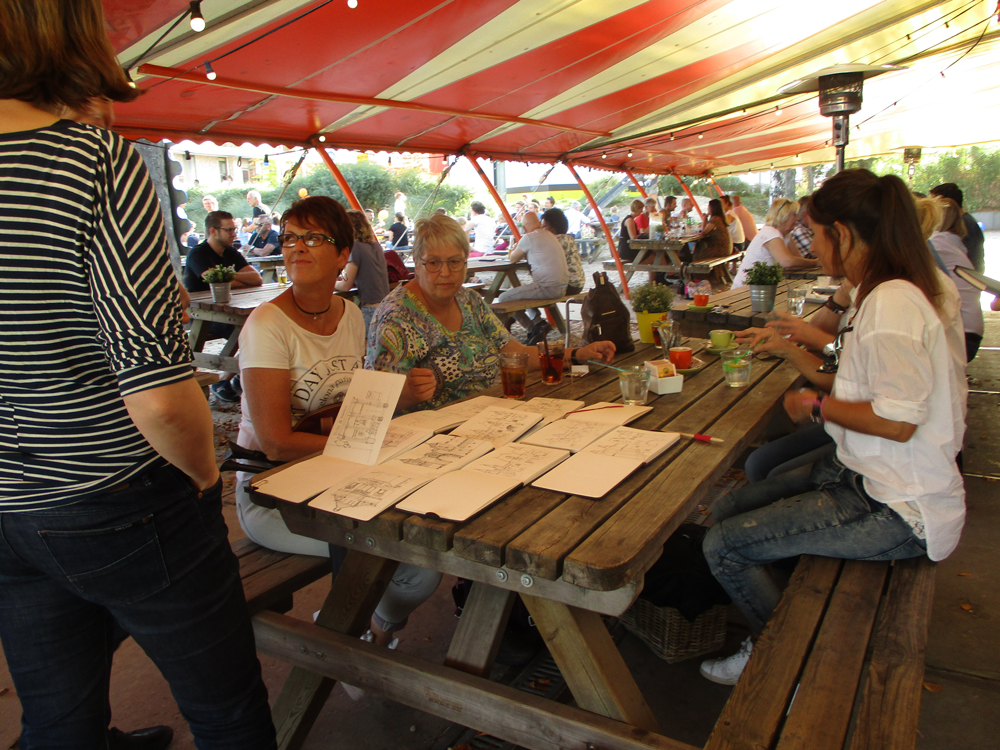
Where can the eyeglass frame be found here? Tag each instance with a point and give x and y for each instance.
(442, 263)
(833, 351)
(283, 243)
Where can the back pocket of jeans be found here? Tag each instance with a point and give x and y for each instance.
(119, 564)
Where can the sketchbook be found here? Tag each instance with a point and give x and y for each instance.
(982, 283)
(364, 495)
(461, 494)
(306, 479)
(498, 426)
(400, 437)
(567, 435)
(551, 409)
(613, 414)
(364, 416)
(449, 417)
(601, 466)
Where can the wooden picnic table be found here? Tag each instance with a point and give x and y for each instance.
(731, 310)
(266, 264)
(204, 312)
(570, 559)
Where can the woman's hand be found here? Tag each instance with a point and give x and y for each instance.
(766, 340)
(799, 331)
(600, 351)
(799, 404)
(419, 387)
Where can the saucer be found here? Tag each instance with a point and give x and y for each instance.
(695, 308)
(696, 365)
(719, 350)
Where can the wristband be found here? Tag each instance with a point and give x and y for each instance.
(822, 407)
(572, 357)
(817, 408)
(830, 304)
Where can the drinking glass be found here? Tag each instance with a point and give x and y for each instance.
(634, 382)
(556, 352)
(282, 275)
(513, 373)
(796, 301)
(736, 367)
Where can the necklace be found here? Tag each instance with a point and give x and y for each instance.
(315, 315)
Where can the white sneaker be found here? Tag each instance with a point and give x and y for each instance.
(356, 693)
(727, 670)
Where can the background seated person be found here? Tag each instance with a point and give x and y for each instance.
(400, 238)
(549, 273)
(297, 355)
(443, 336)
(265, 240)
(769, 246)
(366, 267)
(629, 231)
(555, 221)
(217, 250)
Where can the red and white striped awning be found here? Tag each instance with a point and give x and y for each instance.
(687, 86)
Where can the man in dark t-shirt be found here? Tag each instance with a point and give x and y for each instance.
(398, 229)
(217, 250)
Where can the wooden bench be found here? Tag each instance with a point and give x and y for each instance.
(505, 310)
(706, 266)
(840, 664)
(204, 379)
(270, 578)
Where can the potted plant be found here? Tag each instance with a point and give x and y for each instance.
(763, 279)
(658, 231)
(219, 279)
(651, 303)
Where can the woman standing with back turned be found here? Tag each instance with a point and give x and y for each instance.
(110, 499)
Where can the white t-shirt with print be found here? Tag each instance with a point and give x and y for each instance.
(320, 367)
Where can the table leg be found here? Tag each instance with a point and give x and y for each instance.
(589, 660)
(635, 265)
(480, 629)
(348, 608)
(233, 343)
(198, 334)
(494, 289)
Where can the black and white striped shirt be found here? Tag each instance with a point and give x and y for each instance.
(89, 313)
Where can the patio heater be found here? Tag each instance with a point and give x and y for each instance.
(839, 90)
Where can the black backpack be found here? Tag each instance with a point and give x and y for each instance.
(605, 317)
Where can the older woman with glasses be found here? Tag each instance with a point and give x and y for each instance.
(443, 336)
(896, 412)
(769, 246)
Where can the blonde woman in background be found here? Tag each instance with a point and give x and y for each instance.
(769, 245)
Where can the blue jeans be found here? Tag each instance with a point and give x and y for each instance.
(803, 447)
(827, 513)
(153, 556)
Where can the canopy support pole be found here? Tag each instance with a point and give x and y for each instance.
(607, 231)
(711, 180)
(638, 186)
(689, 195)
(339, 177)
(496, 197)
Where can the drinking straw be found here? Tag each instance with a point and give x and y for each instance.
(610, 367)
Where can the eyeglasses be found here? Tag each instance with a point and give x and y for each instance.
(434, 265)
(833, 352)
(227, 229)
(311, 239)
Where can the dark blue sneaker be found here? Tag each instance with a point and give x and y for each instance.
(224, 391)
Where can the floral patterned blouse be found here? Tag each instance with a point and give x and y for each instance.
(404, 335)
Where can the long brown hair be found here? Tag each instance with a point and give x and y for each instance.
(880, 212)
(56, 53)
(363, 231)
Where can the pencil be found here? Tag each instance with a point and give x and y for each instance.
(702, 438)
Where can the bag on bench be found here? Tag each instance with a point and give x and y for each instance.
(605, 317)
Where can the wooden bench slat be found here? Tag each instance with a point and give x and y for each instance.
(758, 703)
(821, 709)
(282, 579)
(890, 703)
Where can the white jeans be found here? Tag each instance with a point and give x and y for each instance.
(411, 586)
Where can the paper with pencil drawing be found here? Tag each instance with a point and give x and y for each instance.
(613, 414)
(461, 494)
(568, 436)
(498, 426)
(597, 469)
(299, 482)
(364, 416)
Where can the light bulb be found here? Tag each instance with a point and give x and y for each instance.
(322, 139)
(700, 136)
(210, 74)
(197, 19)
(777, 113)
(352, 3)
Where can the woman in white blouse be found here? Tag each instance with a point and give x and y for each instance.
(769, 245)
(896, 412)
(948, 244)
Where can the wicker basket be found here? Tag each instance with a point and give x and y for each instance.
(670, 636)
